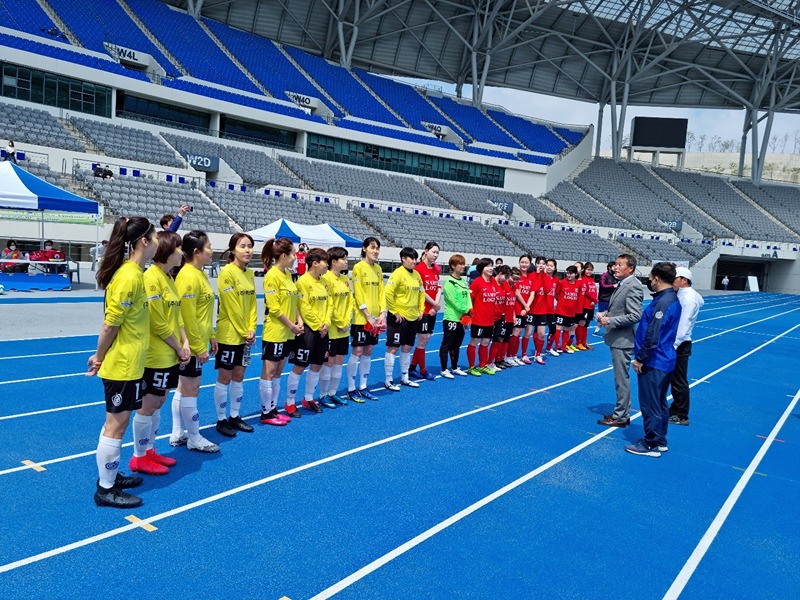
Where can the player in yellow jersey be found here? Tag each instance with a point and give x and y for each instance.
(121, 350)
(369, 318)
(281, 324)
(236, 332)
(168, 348)
(310, 349)
(197, 309)
(405, 301)
(341, 294)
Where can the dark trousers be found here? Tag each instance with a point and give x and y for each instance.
(680, 382)
(451, 343)
(653, 387)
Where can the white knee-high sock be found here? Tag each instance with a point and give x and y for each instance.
(324, 380)
(190, 416)
(388, 365)
(352, 371)
(142, 425)
(276, 390)
(292, 385)
(336, 377)
(405, 362)
(220, 399)
(154, 425)
(265, 393)
(177, 425)
(312, 377)
(108, 453)
(366, 364)
(237, 392)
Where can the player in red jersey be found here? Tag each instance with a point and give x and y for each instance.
(568, 297)
(572, 343)
(542, 305)
(587, 311)
(483, 292)
(523, 323)
(506, 300)
(551, 286)
(429, 271)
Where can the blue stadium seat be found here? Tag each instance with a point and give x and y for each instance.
(27, 16)
(536, 159)
(406, 134)
(474, 122)
(493, 153)
(535, 136)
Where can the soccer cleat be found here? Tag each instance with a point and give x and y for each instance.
(408, 383)
(391, 386)
(225, 429)
(643, 449)
(312, 405)
(115, 498)
(179, 440)
(412, 372)
(460, 372)
(580, 347)
(476, 371)
(553, 352)
(568, 350)
(525, 360)
(123, 482)
(338, 400)
(354, 396)
(143, 464)
(488, 370)
(428, 376)
(538, 359)
(326, 402)
(201, 444)
(574, 348)
(447, 374)
(510, 361)
(366, 394)
(499, 366)
(161, 460)
(292, 411)
(518, 362)
(238, 423)
(272, 418)
(587, 346)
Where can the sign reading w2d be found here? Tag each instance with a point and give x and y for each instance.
(199, 162)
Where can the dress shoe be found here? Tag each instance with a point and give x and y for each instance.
(610, 422)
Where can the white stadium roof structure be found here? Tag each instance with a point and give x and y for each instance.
(739, 54)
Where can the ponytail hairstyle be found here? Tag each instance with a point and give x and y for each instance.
(194, 241)
(503, 270)
(274, 249)
(580, 269)
(234, 241)
(126, 234)
(167, 242)
(429, 246)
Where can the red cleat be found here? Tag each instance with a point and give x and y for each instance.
(159, 459)
(143, 464)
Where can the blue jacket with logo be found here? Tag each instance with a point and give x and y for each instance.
(656, 333)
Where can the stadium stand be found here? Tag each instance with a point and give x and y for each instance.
(190, 45)
(34, 126)
(362, 183)
(535, 136)
(655, 250)
(252, 166)
(43, 171)
(715, 196)
(781, 201)
(698, 251)
(488, 152)
(127, 142)
(583, 208)
(562, 245)
(153, 198)
(345, 89)
(535, 159)
(473, 122)
(453, 235)
(573, 137)
(27, 16)
(408, 135)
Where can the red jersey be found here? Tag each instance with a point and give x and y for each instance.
(511, 302)
(484, 301)
(301, 262)
(550, 287)
(589, 293)
(525, 289)
(542, 303)
(568, 298)
(430, 279)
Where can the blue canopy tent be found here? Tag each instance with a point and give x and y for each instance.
(323, 235)
(21, 190)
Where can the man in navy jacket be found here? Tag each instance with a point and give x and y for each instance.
(654, 351)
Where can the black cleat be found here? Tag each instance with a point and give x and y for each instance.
(115, 498)
(239, 423)
(225, 429)
(123, 482)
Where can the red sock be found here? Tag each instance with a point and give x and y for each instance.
(538, 344)
(513, 345)
(525, 342)
(504, 351)
(471, 355)
(550, 340)
(419, 359)
(483, 354)
(565, 338)
(493, 350)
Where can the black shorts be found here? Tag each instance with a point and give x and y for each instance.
(587, 316)
(275, 351)
(229, 356)
(360, 337)
(309, 348)
(338, 347)
(541, 320)
(123, 396)
(426, 324)
(159, 381)
(500, 330)
(482, 331)
(565, 322)
(400, 334)
(191, 369)
(508, 330)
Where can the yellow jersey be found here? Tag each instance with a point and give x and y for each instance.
(340, 293)
(313, 301)
(405, 294)
(164, 305)
(280, 298)
(237, 313)
(126, 308)
(368, 291)
(197, 307)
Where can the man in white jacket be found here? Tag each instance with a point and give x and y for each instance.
(691, 303)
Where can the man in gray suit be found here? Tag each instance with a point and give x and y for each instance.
(624, 312)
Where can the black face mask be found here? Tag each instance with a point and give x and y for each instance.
(650, 285)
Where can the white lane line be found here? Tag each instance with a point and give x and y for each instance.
(243, 488)
(744, 312)
(24, 356)
(711, 533)
(736, 305)
(41, 378)
(750, 324)
(425, 535)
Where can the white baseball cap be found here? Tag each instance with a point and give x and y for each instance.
(683, 272)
